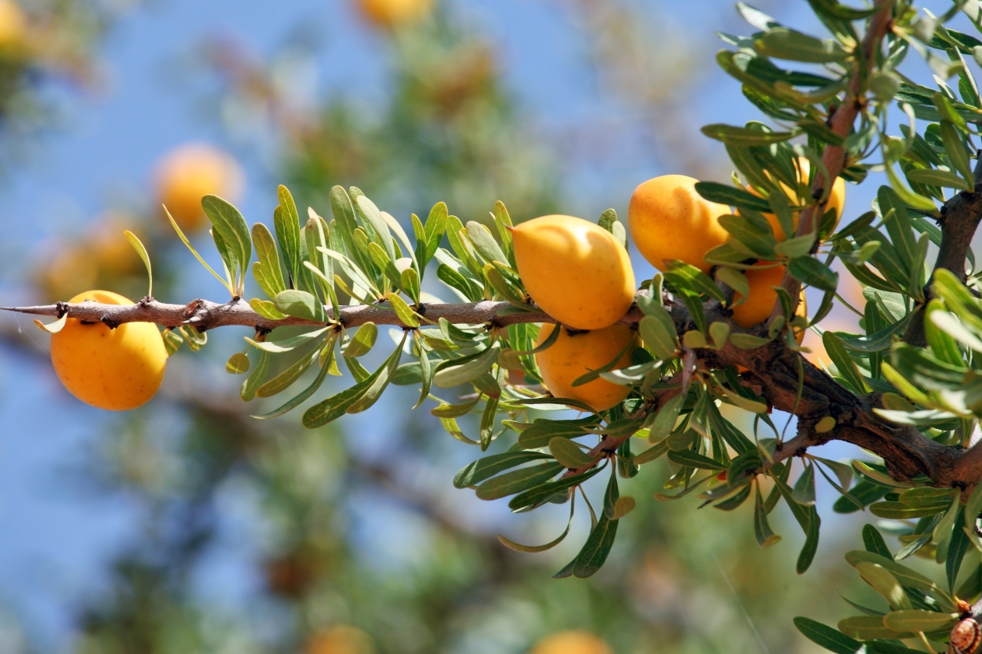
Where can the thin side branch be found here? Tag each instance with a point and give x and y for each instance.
(959, 220)
(841, 123)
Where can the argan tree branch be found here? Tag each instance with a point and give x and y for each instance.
(773, 372)
(959, 220)
(841, 123)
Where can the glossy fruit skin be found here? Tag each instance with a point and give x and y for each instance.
(669, 220)
(573, 356)
(571, 642)
(837, 199)
(113, 369)
(191, 171)
(576, 271)
(760, 303)
(392, 13)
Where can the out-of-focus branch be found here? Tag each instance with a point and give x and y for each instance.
(841, 123)
(960, 218)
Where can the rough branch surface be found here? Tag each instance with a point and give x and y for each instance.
(773, 372)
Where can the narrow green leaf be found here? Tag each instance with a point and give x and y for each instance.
(569, 453)
(827, 637)
(517, 481)
(482, 469)
(255, 378)
(231, 226)
(142, 253)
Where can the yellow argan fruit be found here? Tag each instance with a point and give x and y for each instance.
(669, 220)
(759, 304)
(392, 13)
(572, 356)
(13, 24)
(191, 171)
(341, 639)
(114, 369)
(571, 642)
(576, 271)
(837, 199)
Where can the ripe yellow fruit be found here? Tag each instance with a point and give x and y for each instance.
(572, 356)
(13, 24)
(341, 639)
(191, 171)
(576, 271)
(837, 199)
(391, 13)
(114, 369)
(571, 642)
(762, 298)
(669, 220)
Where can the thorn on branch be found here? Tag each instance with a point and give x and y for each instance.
(62, 309)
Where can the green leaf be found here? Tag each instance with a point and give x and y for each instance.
(874, 542)
(689, 280)
(373, 217)
(255, 378)
(742, 136)
(484, 242)
(935, 177)
(187, 244)
(482, 469)
(866, 627)
(658, 333)
(517, 481)
(784, 43)
(142, 253)
(237, 364)
(762, 529)
(541, 493)
(827, 637)
(231, 226)
(460, 371)
(883, 582)
(569, 453)
(362, 342)
(808, 550)
(408, 317)
(813, 272)
(942, 531)
(957, 153)
(918, 620)
(594, 553)
(900, 511)
(300, 304)
(844, 364)
(286, 222)
(804, 488)
(299, 399)
(732, 196)
(267, 270)
(695, 460)
(756, 241)
(265, 308)
(436, 224)
(286, 378)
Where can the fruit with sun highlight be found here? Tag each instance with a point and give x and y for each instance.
(669, 220)
(115, 369)
(576, 271)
